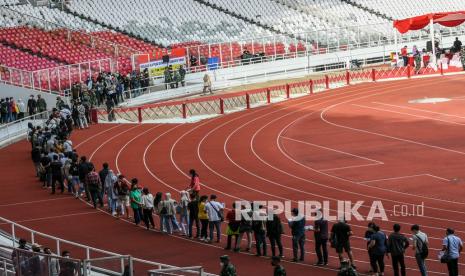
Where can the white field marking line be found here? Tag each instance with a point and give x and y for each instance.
(129, 142)
(164, 183)
(265, 108)
(95, 135)
(322, 116)
(306, 180)
(335, 150)
(409, 114)
(262, 192)
(422, 110)
(257, 175)
(178, 191)
(173, 188)
(55, 217)
(112, 138)
(32, 202)
(395, 178)
(349, 167)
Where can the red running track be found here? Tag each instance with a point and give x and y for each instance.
(363, 142)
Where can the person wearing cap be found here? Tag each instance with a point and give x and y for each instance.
(452, 246)
(278, 268)
(227, 269)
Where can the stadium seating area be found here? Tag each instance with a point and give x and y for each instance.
(43, 37)
(398, 9)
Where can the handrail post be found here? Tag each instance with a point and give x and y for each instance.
(288, 91)
(221, 106)
(327, 81)
(13, 235)
(268, 96)
(409, 74)
(442, 69)
(311, 86)
(348, 77)
(247, 100)
(373, 74)
(131, 266)
(184, 111)
(139, 114)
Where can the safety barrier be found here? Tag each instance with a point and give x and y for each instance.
(221, 104)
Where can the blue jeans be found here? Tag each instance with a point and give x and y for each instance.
(170, 223)
(212, 225)
(421, 265)
(138, 216)
(184, 223)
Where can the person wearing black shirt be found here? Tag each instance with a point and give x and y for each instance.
(193, 207)
(84, 168)
(45, 176)
(340, 240)
(274, 230)
(396, 245)
(457, 45)
(57, 174)
(103, 175)
(321, 238)
(31, 105)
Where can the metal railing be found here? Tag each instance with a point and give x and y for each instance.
(56, 79)
(92, 255)
(19, 128)
(192, 270)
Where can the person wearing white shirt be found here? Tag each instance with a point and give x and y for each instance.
(452, 246)
(420, 240)
(147, 208)
(214, 210)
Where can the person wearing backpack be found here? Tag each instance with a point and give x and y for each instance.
(397, 243)
(274, 230)
(451, 248)
(122, 187)
(420, 247)
(214, 210)
(378, 243)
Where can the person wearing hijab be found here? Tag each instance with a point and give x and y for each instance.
(112, 195)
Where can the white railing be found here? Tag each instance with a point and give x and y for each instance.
(55, 80)
(92, 254)
(11, 131)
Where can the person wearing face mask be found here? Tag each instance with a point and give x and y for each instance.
(227, 268)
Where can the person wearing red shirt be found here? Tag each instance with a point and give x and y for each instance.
(233, 226)
(404, 54)
(194, 187)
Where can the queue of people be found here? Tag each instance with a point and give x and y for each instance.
(11, 110)
(57, 163)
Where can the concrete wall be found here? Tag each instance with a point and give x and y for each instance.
(17, 92)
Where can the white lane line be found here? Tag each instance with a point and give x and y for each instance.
(348, 167)
(332, 149)
(32, 202)
(393, 178)
(409, 114)
(421, 110)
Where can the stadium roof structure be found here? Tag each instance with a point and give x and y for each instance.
(447, 19)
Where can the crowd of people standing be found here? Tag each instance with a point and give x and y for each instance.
(197, 216)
